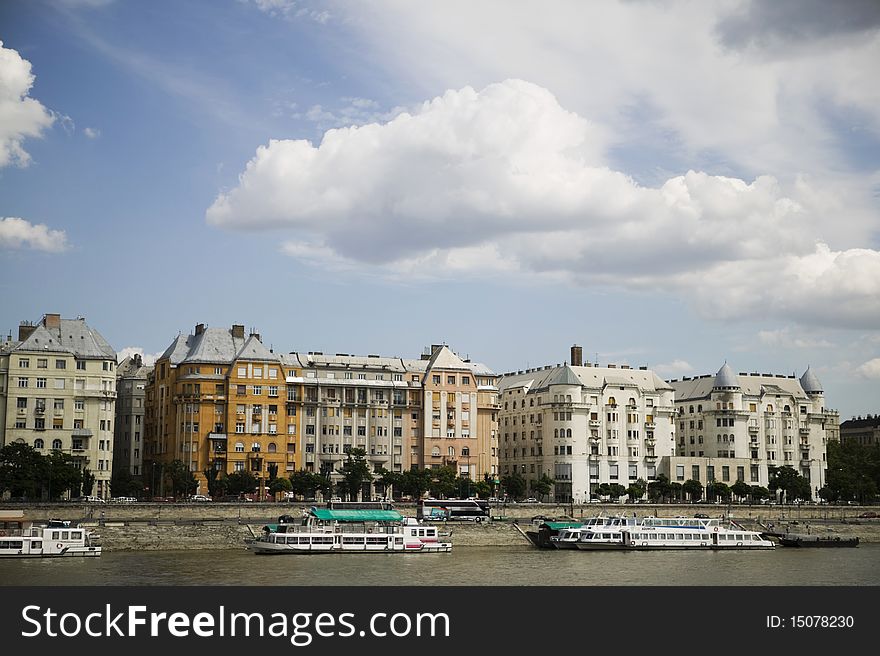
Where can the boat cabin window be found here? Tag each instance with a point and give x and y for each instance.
(11, 544)
(75, 535)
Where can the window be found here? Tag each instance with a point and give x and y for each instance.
(61, 364)
(59, 383)
(38, 443)
(679, 472)
(21, 402)
(465, 380)
(257, 390)
(56, 444)
(24, 363)
(81, 365)
(22, 382)
(239, 447)
(450, 380)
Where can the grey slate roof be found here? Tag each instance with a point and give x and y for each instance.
(725, 377)
(73, 336)
(590, 377)
(701, 387)
(809, 381)
(216, 346)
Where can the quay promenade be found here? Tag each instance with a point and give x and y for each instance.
(210, 525)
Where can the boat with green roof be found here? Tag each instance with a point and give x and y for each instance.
(331, 530)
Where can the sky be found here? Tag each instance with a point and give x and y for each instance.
(666, 184)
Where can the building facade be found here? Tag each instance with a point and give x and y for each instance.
(58, 393)
(584, 425)
(862, 431)
(437, 411)
(217, 400)
(733, 427)
(128, 432)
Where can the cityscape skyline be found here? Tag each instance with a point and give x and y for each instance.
(666, 185)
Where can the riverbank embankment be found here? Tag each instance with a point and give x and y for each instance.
(210, 525)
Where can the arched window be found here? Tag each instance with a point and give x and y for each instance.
(555, 432)
(435, 451)
(770, 407)
(786, 409)
(612, 401)
(699, 408)
(56, 444)
(568, 433)
(271, 448)
(239, 447)
(632, 402)
(38, 443)
(465, 451)
(691, 410)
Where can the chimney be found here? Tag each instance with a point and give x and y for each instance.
(200, 328)
(138, 360)
(52, 321)
(238, 330)
(257, 335)
(25, 330)
(577, 356)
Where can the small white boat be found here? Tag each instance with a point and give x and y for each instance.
(349, 531)
(56, 540)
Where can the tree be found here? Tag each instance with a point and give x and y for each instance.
(272, 470)
(22, 470)
(88, 482)
(123, 484)
(759, 492)
(660, 488)
(355, 472)
(482, 489)
(443, 482)
(791, 484)
(514, 485)
(183, 483)
(241, 482)
(693, 489)
(637, 490)
(277, 485)
(615, 491)
(415, 482)
(65, 478)
(853, 472)
(389, 482)
(741, 489)
(718, 490)
(541, 487)
(216, 483)
(676, 492)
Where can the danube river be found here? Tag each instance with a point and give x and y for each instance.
(479, 566)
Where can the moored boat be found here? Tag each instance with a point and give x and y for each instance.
(671, 533)
(817, 541)
(57, 539)
(349, 531)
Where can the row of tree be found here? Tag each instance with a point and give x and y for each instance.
(25, 473)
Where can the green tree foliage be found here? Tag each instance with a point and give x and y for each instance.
(415, 482)
(65, 478)
(694, 489)
(716, 490)
(514, 485)
(241, 482)
(443, 482)
(853, 472)
(791, 484)
(637, 490)
(88, 482)
(272, 470)
(355, 472)
(660, 489)
(123, 484)
(22, 470)
(759, 492)
(741, 489)
(616, 490)
(388, 482)
(216, 483)
(279, 485)
(541, 487)
(183, 482)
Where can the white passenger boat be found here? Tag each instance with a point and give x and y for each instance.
(55, 540)
(349, 531)
(663, 533)
(568, 537)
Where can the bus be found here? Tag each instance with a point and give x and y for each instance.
(475, 510)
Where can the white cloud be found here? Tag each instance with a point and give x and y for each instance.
(673, 369)
(870, 369)
(17, 233)
(20, 116)
(788, 338)
(149, 359)
(506, 180)
(292, 9)
(92, 133)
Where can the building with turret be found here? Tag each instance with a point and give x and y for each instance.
(733, 427)
(584, 425)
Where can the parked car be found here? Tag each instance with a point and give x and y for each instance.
(869, 514)
(88, 499)
(531, 500)
(123, 500)
(701, 516)
(199, 497)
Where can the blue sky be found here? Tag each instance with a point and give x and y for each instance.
(668, 184)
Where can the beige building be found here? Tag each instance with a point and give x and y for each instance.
(733, 427)
(862, 431)
(58, 393)
(584, 425)
(427, 413)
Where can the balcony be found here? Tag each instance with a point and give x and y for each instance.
(753, 428)
(804, 430)
(82, 432)
(217, 436)
(595, 423)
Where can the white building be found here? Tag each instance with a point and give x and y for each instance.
(584, 425)
(733, 427)
(58, 393)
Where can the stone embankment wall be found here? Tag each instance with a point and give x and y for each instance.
(167, 526)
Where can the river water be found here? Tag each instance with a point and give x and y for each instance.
(479, 566)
